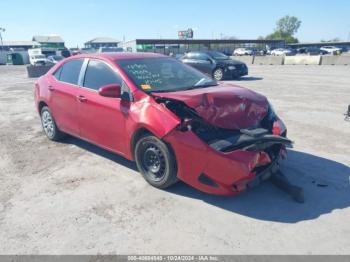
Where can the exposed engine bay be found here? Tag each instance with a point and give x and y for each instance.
(264, 137)
(224, 140)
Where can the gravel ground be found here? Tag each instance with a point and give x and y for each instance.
(74, 198)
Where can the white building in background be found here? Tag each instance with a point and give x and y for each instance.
(53, 42)
(99, 42)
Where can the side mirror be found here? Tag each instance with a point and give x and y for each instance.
(110, 91)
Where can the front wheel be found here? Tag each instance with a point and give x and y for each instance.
(49, 125)
(156, 162)
(218, 74)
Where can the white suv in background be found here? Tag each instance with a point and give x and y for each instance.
(331, 49)
(243, 51)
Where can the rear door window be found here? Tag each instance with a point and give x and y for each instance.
(70, 71)
(99, 74)
(200, 56)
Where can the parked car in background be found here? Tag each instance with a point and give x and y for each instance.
(260, 52)
(345, 49)
(110, 49)
(310, 51)
(175, 122)
(331, 50)
(38, 60)
(216, 64)
(178, 56)
(243, 51)
(282, 52)
(54, 59)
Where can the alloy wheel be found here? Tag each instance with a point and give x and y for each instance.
(218, 74)
(48, 124)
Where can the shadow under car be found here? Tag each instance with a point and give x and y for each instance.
(325, 182)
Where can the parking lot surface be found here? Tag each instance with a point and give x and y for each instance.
(74, 198)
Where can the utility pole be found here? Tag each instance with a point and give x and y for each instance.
(2, 44)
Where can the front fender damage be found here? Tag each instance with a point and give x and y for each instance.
(223, 161)
(209, 170)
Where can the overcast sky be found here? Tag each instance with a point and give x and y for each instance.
(79, 21)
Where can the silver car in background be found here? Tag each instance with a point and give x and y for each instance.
(282, 52)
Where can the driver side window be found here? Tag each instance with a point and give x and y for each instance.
(99, 74)
(202, 57)
(69, 71)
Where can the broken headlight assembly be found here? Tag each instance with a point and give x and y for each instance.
(263, 143)
(273, 123)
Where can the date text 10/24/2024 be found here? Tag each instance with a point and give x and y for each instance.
(172, 258)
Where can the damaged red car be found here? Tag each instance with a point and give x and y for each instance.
(174, 121)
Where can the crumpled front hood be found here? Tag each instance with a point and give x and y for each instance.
(226, 105)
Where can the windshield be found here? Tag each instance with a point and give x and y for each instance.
(163, 74)
(218, 55)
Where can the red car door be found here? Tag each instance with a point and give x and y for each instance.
(102, 119)
(63, 88)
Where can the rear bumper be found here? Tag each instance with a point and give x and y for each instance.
(215, 172)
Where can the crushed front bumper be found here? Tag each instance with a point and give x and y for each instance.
(217, 172)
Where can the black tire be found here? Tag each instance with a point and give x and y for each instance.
(155, 161)
(218, 74)
(49, 125)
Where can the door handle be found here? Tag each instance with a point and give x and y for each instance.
(81, 98)
(51, 88)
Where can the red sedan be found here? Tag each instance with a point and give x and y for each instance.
(174, 121)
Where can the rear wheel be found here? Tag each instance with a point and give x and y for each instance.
(49, 125)
(155, 162)
(218, 74)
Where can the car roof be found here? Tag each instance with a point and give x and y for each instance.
(119, 55)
